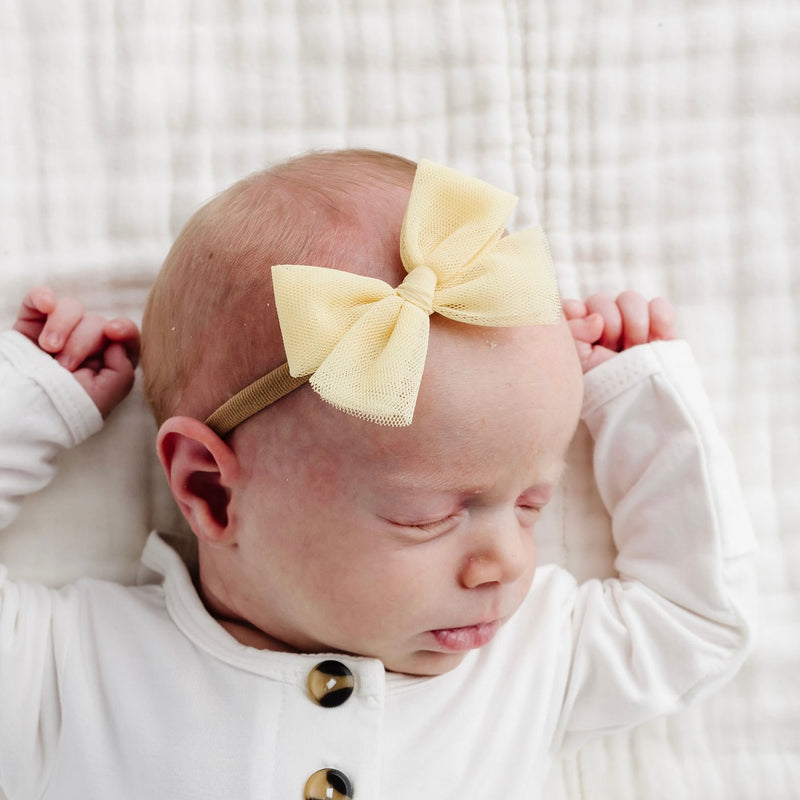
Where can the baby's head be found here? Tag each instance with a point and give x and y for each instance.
(210, 326)
(320, 531)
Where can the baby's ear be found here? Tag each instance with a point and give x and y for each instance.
(201, 470)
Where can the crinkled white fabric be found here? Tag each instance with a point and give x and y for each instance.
(48, 412)
(132, 692)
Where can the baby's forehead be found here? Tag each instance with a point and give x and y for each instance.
(484, 390)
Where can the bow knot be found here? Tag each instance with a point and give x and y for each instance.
(419, 288)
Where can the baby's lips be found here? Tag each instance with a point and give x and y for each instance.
(469, 637)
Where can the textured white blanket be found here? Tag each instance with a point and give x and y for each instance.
(656, 142)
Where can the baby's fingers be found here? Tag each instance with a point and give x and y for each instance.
(33, 311)
(37, 304)
(586, 329)
(59, 325)
(124, 331)
(612, 320)
(662, 319)
(85, 340)
(635, 313)
(574, 309)
(109, 382)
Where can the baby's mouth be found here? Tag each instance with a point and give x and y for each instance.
(466, 638)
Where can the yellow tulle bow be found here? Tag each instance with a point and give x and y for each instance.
(364, 342)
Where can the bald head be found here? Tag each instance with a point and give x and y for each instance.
(210, 326)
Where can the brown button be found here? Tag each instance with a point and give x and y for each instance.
(330, 683)
(328, 784)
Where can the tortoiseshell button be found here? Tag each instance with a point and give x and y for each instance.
(328, 784)
(330, 683)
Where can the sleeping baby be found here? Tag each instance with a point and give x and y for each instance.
(365, 389)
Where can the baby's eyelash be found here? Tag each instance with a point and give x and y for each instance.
(434, 528)
(531, 513)
(436, 525)
(425, 530)
(431, 529)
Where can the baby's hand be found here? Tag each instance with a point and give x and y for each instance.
(102, 354)
(602, 326)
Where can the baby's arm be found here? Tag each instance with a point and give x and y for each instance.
(61, 370)
(679, 620)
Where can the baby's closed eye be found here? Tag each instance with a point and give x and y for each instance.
(426, 527)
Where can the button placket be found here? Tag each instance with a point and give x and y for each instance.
(330, 684)
(346, 737)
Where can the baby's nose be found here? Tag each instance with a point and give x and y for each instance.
(501, 552)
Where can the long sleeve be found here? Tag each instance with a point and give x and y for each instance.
(43, 410)
(678, 621)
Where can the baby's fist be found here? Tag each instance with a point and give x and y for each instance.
(602, 327)
(102, 354)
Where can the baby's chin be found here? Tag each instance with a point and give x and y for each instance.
(424, 663)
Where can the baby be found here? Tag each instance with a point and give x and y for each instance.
(362, 440)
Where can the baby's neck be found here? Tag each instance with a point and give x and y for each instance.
(238, 627)
(250, 636)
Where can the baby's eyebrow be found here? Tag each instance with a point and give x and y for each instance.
(439, 483)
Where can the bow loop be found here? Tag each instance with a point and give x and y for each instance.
(450, 220)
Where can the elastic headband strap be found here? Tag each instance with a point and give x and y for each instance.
(253, 398)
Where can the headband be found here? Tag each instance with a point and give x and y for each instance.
(362, 343)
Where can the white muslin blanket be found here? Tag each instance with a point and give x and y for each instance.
(656, 142)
